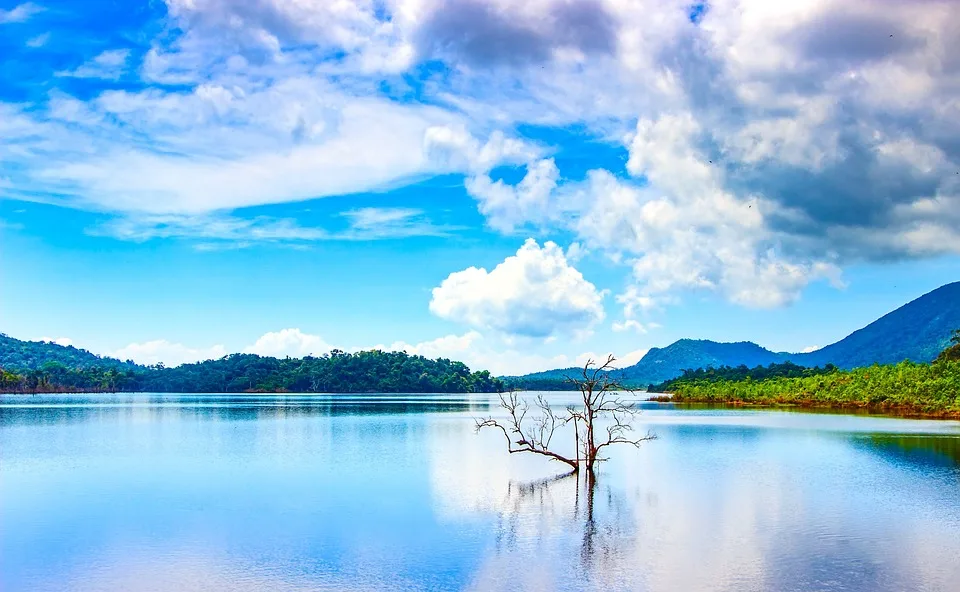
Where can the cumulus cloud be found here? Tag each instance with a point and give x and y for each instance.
(535, 293)
(490, 353)
(508, 206)
(494, 33)
(768, 144)
(64, 341)
(170, 354)
(279, 344)
(472, 348)
(289, 342)
(774, 144)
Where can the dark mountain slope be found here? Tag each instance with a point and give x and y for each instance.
(917, 331)
(665, 363)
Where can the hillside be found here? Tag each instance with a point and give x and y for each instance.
(26, 355)
(917, 331)
(661, 364)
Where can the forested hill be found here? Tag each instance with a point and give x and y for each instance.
(53, 368)
(661, 364)
(917, 331)
(15, 353)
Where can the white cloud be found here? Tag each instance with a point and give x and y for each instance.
(64, 341)
(289, 342)
(479, 353)
(375, 223)
(699, 238)
(167, 353)
(809, 348)
(458, 149)
(109, 65)
(621, 361)
(770, 144)
(534, 293)
(629, 325)
(38, 41)
(454, 347)
(230, 231)
(368, 144)
(20, 13)
(493, 354)
(508, 206)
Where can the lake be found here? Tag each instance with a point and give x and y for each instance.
(384, 492)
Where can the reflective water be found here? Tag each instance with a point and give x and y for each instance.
(250, 493)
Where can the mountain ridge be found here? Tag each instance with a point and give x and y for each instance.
(916, 331)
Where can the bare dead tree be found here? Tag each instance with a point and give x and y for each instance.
(603, 418)
(534, 435)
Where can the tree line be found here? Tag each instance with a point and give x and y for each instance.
(738, 373)
(336, 372)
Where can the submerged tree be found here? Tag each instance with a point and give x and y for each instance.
(602, 418)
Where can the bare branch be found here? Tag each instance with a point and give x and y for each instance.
(601, 398)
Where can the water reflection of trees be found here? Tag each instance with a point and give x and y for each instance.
(54, 410)
(588, 516)
(917, 448)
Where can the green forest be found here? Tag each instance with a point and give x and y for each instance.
(910, 388)
(35, 367)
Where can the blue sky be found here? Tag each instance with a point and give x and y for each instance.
(516, 185)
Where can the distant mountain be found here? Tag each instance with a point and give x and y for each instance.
(916, 331)
(661, 364)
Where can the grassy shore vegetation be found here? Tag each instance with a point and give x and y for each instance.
(907, 388)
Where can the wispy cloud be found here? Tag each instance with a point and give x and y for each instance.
(765, 149)
(228, 231)
(20, 14)
(385, 223)
(109, 65)
(38, 41)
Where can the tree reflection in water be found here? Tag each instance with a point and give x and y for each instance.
(568, 510)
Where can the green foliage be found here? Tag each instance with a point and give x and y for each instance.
(338, 372)
(15, 353)
(907, 387)
(951, 353)
(742, 372)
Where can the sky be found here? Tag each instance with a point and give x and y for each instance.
(517, 185)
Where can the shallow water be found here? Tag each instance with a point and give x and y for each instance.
(250, 492)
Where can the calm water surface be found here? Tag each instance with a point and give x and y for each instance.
(251, 493)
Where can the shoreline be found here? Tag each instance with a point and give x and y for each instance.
(901, 411)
